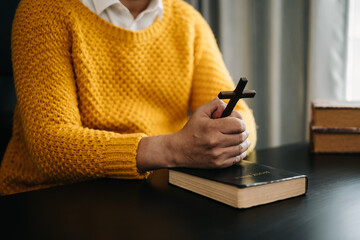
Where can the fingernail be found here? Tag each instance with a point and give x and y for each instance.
(243, 155)
(248, 142)
(247, 132)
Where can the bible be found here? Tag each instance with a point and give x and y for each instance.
(241, 186)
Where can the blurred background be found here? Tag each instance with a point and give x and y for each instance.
(291, 51)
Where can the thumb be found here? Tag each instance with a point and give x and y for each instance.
(214, 108)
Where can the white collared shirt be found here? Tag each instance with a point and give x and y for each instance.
(116, 13)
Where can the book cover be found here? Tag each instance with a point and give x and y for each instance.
(335, 104)
(245, 185)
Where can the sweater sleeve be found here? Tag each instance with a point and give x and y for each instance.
(60, 147)
(211, 76)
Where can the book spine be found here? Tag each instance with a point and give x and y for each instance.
(350, 130)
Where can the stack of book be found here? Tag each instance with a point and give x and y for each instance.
(335, 127)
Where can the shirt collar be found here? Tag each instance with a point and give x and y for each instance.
(156, 5)
(101, 5)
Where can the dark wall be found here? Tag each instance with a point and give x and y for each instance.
(7, 91)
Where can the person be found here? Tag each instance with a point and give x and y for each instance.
(102, 96)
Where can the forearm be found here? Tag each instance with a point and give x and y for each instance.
(65, 152)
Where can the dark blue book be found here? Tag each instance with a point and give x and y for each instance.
(241, 186)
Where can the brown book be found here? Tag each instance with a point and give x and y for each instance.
(335, 114)
(335, 140)
(335, 126)
(241, 186)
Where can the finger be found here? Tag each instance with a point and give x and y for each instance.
(228, 140)
(219, 110)
(212, 109)
(239, 158)
(230, 125)
(233, 151)
(236, 114)
(234, 160)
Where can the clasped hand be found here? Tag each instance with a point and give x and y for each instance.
(206, 141)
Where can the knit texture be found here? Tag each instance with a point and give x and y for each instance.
(89, 91)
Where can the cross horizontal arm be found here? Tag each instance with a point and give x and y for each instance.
(248, 94)
(226, 94)
(229, 94)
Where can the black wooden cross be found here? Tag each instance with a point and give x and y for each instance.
(235, 95)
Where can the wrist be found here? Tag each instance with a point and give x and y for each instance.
(141, 156)
(172, 146)
(156, 152)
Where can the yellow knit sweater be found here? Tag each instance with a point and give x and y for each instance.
(88, 91)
